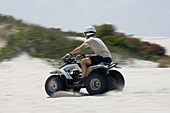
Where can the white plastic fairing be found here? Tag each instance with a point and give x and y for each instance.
(66, 70)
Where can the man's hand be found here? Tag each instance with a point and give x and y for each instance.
(68, 55)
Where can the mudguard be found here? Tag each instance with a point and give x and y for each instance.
(105, 66)
(91, 68)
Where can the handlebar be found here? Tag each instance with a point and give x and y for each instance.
(73, 59)
(63, 57)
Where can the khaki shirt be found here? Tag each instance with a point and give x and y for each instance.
(97, 46)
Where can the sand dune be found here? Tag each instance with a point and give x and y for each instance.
(22, 81)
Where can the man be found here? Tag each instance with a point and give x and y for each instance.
(102, 54)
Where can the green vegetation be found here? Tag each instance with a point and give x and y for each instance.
(35, 40)
(9, 19)
(134, 47)
(122, 42)
(38, 43)
(108, 35)
(52, 43)
(105, 30)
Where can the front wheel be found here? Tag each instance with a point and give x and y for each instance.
(53, 84)
(97, 83)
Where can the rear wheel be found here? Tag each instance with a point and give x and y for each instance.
(117, 81)
(53, 84)
(97, 83)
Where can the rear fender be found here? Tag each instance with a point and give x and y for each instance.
(61, 72)
(95, 67)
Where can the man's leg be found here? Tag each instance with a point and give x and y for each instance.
(84, 63)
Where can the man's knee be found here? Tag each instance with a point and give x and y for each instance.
(83, 61)
(86, 61)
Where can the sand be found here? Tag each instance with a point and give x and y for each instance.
(147, 90)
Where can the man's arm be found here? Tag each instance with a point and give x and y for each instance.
(77, 50)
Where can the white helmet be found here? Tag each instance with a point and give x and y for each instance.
(90, 30)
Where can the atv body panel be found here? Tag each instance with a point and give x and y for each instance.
(66, 70)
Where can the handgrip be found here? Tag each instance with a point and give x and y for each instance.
(83, 55)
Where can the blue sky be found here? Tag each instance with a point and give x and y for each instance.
(138, 17)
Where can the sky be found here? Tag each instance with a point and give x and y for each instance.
(138, 17)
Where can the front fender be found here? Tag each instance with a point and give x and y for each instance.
(61, 72)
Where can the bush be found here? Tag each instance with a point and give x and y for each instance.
(6, 18)
(133, 44)
(152, 49)
(145, 55)
(127, 43)
(114, 40)
(105, 30)
(109, 40)
(38, 42)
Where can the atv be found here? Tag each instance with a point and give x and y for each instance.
(98, 78)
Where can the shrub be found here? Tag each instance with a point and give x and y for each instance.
(152, 49)
(109, 40)
(133, 44)
(145, 55)
(105, 30)
(38, 42)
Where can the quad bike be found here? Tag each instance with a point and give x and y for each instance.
(98, 78)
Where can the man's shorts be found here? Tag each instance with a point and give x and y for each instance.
(98, 59)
